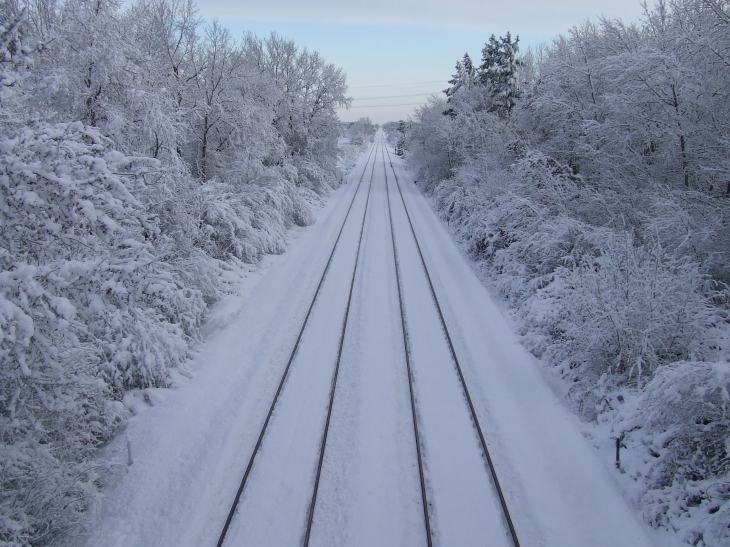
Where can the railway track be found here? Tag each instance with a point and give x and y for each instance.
(425, 438)
(285, 374)
(475, 420)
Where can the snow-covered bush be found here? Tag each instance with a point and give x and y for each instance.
(349, 154)
(87, 310)
(360, 132)
(71, 224)
(319, 179)
(248, 222)
(211, 227)
(623, 313)
(676, 439)
(523, 221)
(590, 298)
(691, 224)
(15, 63)
(176, 201)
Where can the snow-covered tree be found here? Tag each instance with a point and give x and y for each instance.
(498, 72)
(464, 77)
(361, 131)
(401, 144)
(305, 111)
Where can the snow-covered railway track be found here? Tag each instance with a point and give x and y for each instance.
(406, 345)
(404, 461)
(407, 336)
(366, 481)
(285, 375)
(328, 534)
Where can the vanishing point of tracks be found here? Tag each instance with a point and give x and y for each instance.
(425, 492)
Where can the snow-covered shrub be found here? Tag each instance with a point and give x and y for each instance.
(360, 132)
(15, 66)
(319, 179)
(590, 297)
(349, 154)
(522, 222)
(623, 313)
(688, 404)
(211, 228)
(691, 224)
(54, 422)
(176, 201)
(677, 441)
(247, 221)
(72, 225)
(87, 310)
(429, 148)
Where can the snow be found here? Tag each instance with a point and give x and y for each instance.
(190, 445)
(369, 493)
(465, 510)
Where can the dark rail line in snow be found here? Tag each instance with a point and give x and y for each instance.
(333, 388)
(406, 344)
(488, 458)
(236, 500)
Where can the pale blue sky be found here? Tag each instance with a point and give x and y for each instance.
(396, 52)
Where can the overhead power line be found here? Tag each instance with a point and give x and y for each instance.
(384, 105)
(393, 96)
(397, 85)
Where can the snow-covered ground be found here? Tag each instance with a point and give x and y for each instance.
(190, 446)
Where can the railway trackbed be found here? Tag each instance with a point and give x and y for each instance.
(367, 391)
(371, 436)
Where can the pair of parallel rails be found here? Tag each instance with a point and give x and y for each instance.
(406, 341)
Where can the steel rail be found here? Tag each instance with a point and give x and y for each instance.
(335, 375)
(285, 374)
(490, 463)
(407, 346)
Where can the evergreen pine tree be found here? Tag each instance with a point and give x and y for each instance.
(400, 146)
(455, 81)
(498, 72)
(464, 77)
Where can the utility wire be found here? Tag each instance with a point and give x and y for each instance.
(382, 105)
(397, 85)
(393, 96)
